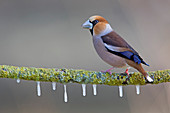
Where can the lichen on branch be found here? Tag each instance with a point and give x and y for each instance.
(81, 76)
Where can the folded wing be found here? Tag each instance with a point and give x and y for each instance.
(118, 46)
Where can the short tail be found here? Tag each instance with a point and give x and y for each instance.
(149, 78)
(141, 70)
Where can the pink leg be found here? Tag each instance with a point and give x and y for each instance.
(108, 70)
(127, 72)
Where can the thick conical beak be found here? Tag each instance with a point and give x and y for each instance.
(87, 25)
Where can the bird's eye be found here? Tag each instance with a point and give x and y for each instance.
(95, 22)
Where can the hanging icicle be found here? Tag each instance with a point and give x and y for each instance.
(38, 88)
(94, 89)
(137, 89)
(54, 85)
(65, 94)
(120, 91)
(18, 80)
(84, 89)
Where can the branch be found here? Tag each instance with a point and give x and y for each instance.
(81, 76)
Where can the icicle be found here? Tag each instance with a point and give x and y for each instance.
(54, 85)
(94, 89)
(120, 91)
(65, 94)
(137, 89)
(38, 88)
(84, 89)
(18, 80)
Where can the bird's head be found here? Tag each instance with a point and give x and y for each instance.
(96, 24)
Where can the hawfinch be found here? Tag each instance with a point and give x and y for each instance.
(112, 48)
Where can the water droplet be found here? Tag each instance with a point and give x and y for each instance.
(38, 88)
(137, 89)
(54, 85)
(94, 89)
(65, 94)
(18, 80)
(84, 89)
(120, 91)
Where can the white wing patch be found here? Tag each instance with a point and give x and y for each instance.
(112, 48)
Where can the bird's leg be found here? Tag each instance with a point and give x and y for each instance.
(108, 70)
(127, 71)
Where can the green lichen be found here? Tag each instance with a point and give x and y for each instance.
(81, 76)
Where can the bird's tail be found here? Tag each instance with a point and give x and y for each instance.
(149, 78)
(141, 70)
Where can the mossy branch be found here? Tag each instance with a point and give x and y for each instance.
(80, 76)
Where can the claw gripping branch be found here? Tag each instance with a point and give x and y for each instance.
(81, 76)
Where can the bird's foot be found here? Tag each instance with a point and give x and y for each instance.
(108, 71)
(127, 72)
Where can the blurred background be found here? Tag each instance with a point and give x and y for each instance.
(48, 33)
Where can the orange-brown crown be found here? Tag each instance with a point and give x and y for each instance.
(99, 18)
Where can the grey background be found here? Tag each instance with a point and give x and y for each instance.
(48, 33)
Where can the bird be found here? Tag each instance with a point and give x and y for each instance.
(112, 48)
